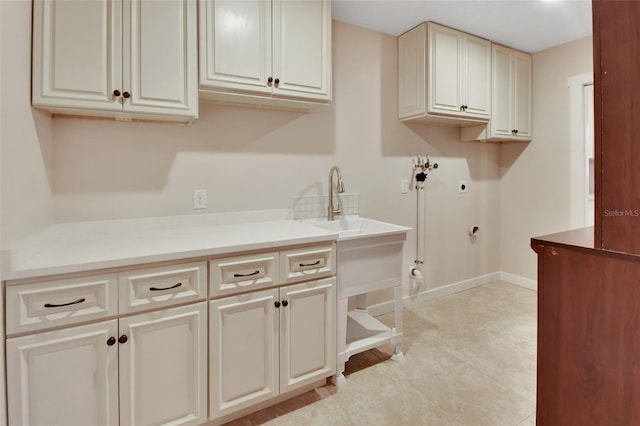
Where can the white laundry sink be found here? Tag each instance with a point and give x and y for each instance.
(369, 253)
(353, 226)
(369, 258)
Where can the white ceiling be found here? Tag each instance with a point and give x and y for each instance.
(527, 25)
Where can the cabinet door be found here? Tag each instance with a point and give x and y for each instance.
(65, 377)
(302, 49)
(77, 53)
(163, 367)
(160, 57)
(445, 70)
(235, 45)
(502, 100)
(308, 339)
(243, 351)
(476, 77)
(522, 94)
(411, 72)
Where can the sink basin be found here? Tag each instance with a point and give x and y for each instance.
(354, 227)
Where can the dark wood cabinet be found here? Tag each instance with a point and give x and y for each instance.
(589, 279)
(588, 333)
(616, 65)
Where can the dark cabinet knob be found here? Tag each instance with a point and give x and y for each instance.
(116, 93)
(126, 95)
(269, 81)
(123, 339)
(276, 304)
(285, 303)
(277, 81)
(111, 341)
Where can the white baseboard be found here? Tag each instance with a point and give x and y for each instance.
(518, 280)
(435, 293)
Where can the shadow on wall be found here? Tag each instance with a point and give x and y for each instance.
(44, 125)
(444, 142)
(105, 156)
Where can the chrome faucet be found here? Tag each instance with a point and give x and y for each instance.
(339, 188)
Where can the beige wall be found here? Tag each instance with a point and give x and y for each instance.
(63, 169)
(25, 134)
(535, 178)
(258, 159)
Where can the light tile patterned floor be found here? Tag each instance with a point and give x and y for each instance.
(470, 360)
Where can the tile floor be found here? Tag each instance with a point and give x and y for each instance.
(470, 360)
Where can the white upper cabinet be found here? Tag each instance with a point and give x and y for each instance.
(266, 52)
(444, 76)
(511, 99)
(130, 59)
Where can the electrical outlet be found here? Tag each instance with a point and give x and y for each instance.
(462, 186)
(199, 198)
(404, 186)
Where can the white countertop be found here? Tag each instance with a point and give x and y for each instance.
(81, 247)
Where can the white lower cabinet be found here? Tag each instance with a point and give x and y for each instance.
(163, 367)
(65, 377)
(145, 369)
(270, 342)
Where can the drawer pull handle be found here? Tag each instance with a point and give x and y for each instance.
(58, 305)
(247, 275)
(166, 288)
(317, 262)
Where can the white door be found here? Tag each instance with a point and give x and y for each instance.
(65, 377)
(77, 53)
(302, 49)
(476, 78)
(308, 335)
(522, 94)
(160, 57)
(243, 351)
(445, 70)
(235, 45)
(163, 367)
(502, 86)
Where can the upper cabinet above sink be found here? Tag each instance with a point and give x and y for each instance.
(444, 76)
(129, 59)
(266, 52)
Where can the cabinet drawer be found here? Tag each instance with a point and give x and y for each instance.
(47, 304)
(243, 273)
(307, 263)
(150, 288)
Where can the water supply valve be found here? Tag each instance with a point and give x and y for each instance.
(422, 165)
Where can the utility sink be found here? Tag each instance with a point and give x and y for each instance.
(369, 258)
(352, 227)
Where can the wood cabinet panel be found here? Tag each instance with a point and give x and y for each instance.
(588, 338)
(617, 89)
